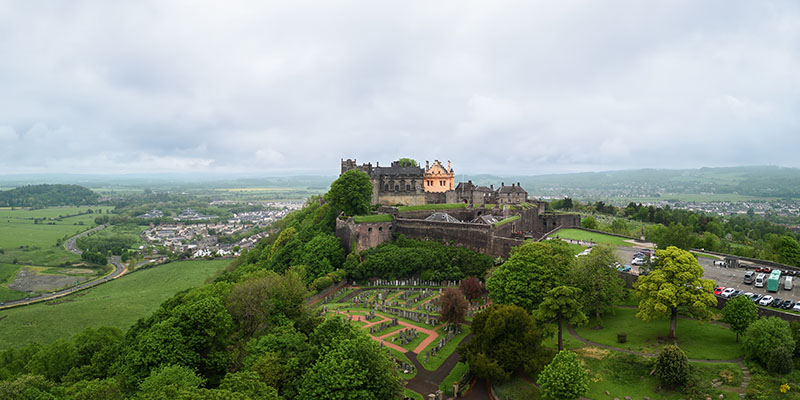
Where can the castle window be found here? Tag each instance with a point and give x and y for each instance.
(396, 188)
(386, 187)
(369, 230)
(380, 229)
(408, 188)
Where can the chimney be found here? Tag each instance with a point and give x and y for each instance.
(491, 187)
(470, 182)
(502, 184)
(518, 184)
(512, 185)
(427, 165)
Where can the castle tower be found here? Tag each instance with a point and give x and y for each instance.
(439, 179)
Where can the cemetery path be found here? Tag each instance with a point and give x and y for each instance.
(426, 382)
(432, 335)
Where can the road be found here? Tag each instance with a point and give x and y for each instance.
(119, 270)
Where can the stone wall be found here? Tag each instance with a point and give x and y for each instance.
(477, 237)
(360, 237)
(402, 198)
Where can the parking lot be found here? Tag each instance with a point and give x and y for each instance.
(726, 277)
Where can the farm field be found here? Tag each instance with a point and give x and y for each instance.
(577, 234)
(27, 242)
(118, 303)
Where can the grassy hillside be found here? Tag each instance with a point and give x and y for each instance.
(119, 303)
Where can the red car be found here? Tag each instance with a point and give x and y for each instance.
(719, 290)
(758, 269)
(766, 270)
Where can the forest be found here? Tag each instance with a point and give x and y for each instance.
(48, 196)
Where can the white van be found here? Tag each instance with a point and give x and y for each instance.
(787, 283)
(760, 280)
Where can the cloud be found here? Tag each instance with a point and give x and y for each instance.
(499, 87)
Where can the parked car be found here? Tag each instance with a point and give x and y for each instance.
(737, 293)
(624, 268)
(766, 270)
(719, 290)
(748, 295)
(637, 261)
(765, 300)
(776, 302)
(796, 307)
(727, 292)
(787, 304)
(756, 297)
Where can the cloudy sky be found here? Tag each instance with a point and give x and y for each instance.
(291, 87)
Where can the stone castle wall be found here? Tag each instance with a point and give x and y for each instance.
(360, 237)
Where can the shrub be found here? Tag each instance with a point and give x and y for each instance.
(672, 366)
(564, 378)
(764, 335)
(780, 361)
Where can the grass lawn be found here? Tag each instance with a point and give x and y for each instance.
(628, 375)
(434, 362)
(403, 358)
(410, 346)
(432, 207)
(577, 234)
(454, 376)
(412, 394)
(118, 303)
(570, 343)
(388, 330)
(517, 389)
(700, 341)
(506, 220)
(373, 218)
(701, 255)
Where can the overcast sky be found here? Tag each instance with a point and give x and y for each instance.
(291, 87)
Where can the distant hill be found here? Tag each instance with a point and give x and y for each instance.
(756, 181)
(48, 196)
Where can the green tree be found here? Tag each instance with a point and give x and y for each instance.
(564, 378)
(589, 223)
(675, 283)
(599, 281)
(562, 303)
(322, 254)
(505, 339)
(351, 366)
(619, 226)
(672, 366)
(739, 312)
(106, 389)
(530, 272)
(766, 334)
(250, 384)
(789, 250)
(407, 162)
(454, 306)
(351, 193)
(780, 361)
(168, 381)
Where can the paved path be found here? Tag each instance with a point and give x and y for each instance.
(119, 270)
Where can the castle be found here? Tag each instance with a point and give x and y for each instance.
(481, 218)
(407, 185)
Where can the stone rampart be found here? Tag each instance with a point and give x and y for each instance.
(476, 237)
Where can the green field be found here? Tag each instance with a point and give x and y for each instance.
(118, 303)
(577, 234)
(27, 242)
(699, 340)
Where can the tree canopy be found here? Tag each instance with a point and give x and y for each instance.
(48, 196)
(564, 378)
(351, 193)
(561, 304)
(675, 283)
(599, 281)
(739, 312)
(764, 335)
(505, 339)
(530, 272)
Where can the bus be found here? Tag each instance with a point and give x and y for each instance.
(772, 282)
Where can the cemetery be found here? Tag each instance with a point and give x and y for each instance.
(404, 317)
